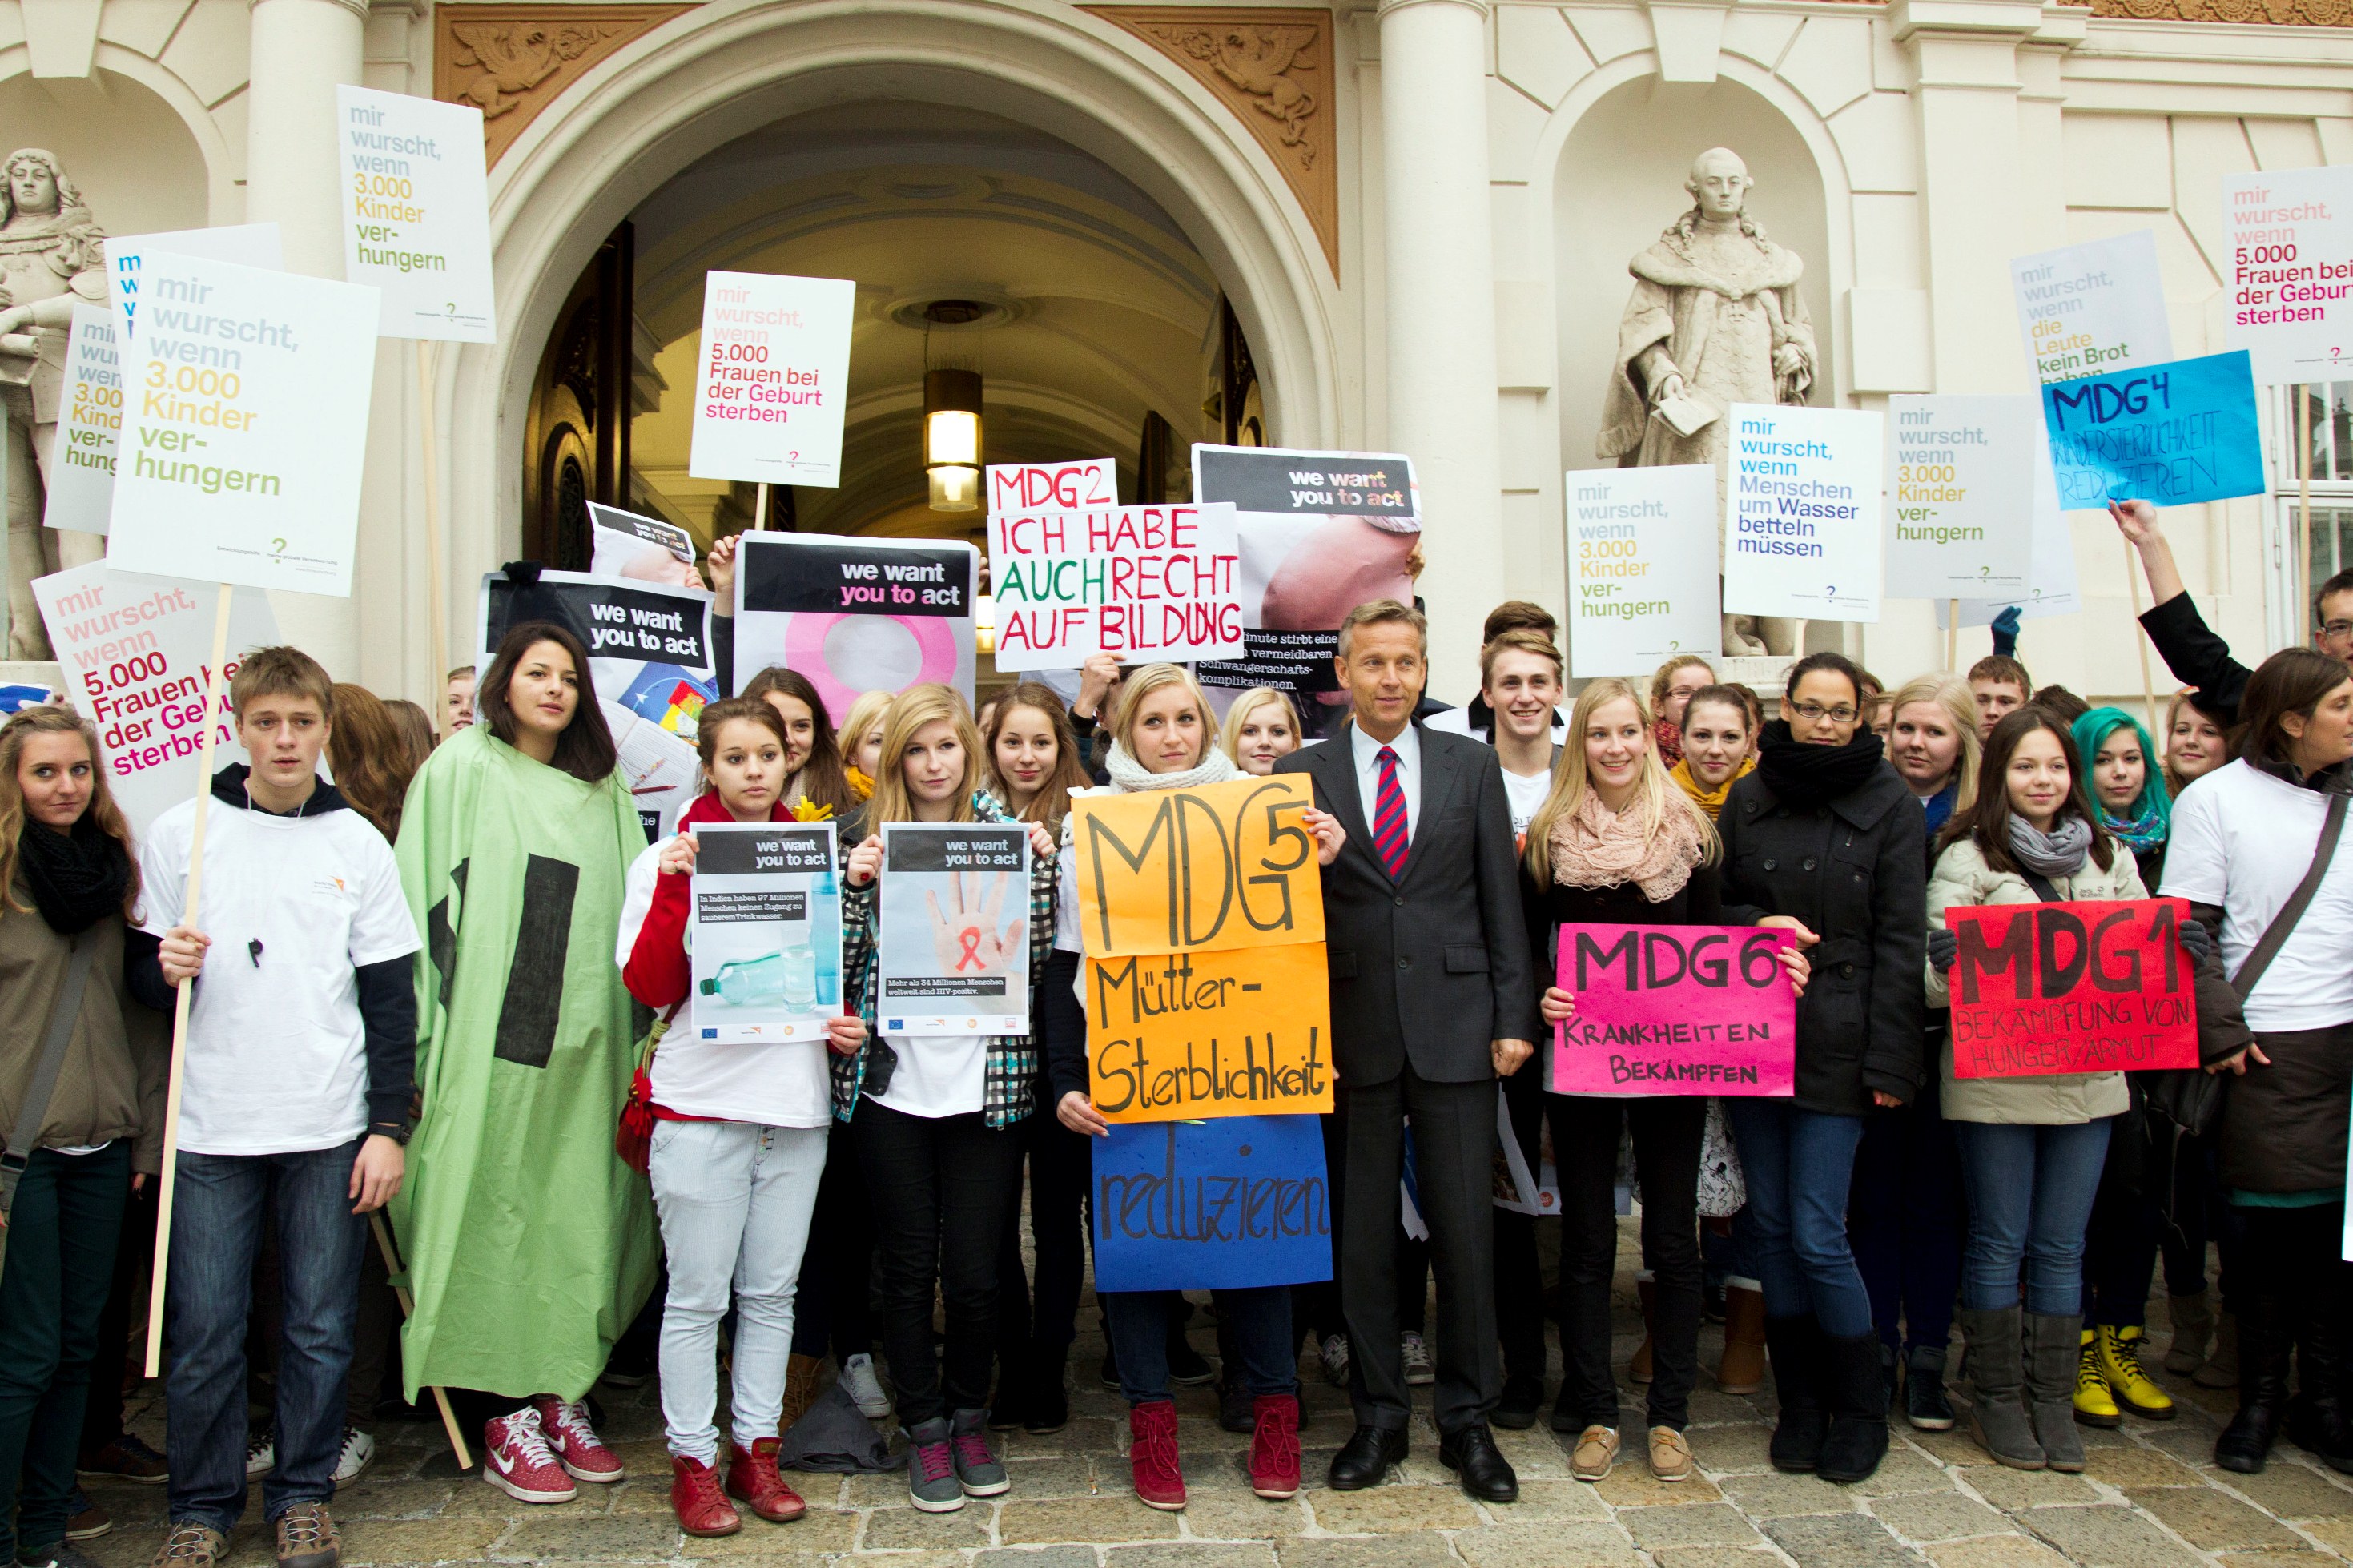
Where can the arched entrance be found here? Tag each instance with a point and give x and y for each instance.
(724, 71)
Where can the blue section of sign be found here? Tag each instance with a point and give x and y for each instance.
(1220, 1204)
(2173, 433)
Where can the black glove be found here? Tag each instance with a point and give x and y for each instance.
(524, 574)
(2196, 941)
(1943, 949)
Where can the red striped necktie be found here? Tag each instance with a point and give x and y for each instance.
(1388, 816)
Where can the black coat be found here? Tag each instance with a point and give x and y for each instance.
(1853, 871)
(1432, 969)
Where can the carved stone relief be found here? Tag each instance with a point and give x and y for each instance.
(510, 61)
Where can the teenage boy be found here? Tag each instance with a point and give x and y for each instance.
(1477, 718)
(2002, 687)
(302, 1048)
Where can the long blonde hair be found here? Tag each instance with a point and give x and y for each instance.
(1230, 737)
(910, 711)
(1951, 693)
(1153, 678)
(1655, 794)
(102, 811)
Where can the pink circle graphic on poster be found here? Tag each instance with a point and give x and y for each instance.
(846, 656)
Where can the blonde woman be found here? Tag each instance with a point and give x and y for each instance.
(1261, 729)
(1615, 842)
(861, 738)
(1933, 741)
(936, 1121)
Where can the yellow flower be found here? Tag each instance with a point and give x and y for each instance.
(810, 811)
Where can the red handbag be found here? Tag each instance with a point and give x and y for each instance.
(633, 1140)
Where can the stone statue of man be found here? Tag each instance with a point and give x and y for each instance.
(52, 253)
(1715, 319)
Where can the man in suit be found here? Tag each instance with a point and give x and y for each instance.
(1433, 997)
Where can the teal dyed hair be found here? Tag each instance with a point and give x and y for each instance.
(2154, 801)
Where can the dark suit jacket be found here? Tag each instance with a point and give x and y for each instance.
(1435, 968)
(2198, 657)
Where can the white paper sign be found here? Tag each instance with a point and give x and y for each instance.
(766, 932)
(855, 614)
(2094, 307)
(1802, 508)
(772, 374)
(1147, 583)
(2051, 564)
(134, 650)
(245, 426)
(1053, 487)
(625, 544)
(1642, 568)
(128, 255)
(1960, 493)
(950, 947)
(90, 417)
(416, 213)
(2288, 235)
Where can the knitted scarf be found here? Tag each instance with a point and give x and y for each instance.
(1668, 736)
(2059, 853)
(1595, 846)
(1129, 776)
(77, 878)
(1710, 801)
(1804, 776)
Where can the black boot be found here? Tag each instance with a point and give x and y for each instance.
(1047, 1408)
(1854, 1383)
(2317, 1418)
(1794, 1346)
(1926, 1405)
(2246, 1443)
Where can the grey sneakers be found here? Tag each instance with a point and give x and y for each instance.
(980, 1472)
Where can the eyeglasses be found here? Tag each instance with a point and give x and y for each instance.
(2336, 629)
(1814, 712)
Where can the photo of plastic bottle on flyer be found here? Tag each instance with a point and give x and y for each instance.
(954, 945)
(766, 932)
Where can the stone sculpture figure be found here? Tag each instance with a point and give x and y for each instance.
(1715, 319)
(52, 253)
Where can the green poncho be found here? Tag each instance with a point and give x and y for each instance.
(530, 1245)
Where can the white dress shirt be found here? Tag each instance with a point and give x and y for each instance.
(1408, 747)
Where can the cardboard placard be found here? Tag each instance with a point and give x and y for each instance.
(1961, 494)
(1198, 870)
(2096, 986)
(953, 941)
(2288, 235)
(90, 417)
(1802, 532)
(2173, 433)
(627, 544)
(2094, 307)
(772, 377)
(1642, 568)
(2051, 584)
(1227, 1203)
(1146, 583)
(1234, 1032)
(854, 614)
(416, 213)
(766, 933)
(128, 257)
(1674, 1010)
(1087, 484)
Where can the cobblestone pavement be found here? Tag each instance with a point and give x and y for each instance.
(2150, 1499)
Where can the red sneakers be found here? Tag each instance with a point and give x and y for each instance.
(1274, 1445)
(516, 1460)
(1152, 1454)
(694, 1496)
(574, 1443)
(753, 1476)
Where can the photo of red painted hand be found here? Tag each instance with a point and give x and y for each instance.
(965, 938)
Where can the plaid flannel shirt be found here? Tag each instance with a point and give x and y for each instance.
(1008, 1090)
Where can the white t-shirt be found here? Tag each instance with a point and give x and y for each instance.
(277, 1050)
(937, 1075)
(2244, 840)
(780, 1083)
(1527, 793)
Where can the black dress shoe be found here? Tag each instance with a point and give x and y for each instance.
(1365, 1457)
(1516, 1411)
(1473, 1455)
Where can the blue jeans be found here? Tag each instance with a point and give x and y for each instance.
(1257, 1321)
(2031, 1191)
(1906, 1223)
(217, 1213)
(1799, 1166)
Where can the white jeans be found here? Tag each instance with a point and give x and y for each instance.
(734, 1199)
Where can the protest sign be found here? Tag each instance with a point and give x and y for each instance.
(1236, 1202)
(1961, 494)
(2172, 433)
(136, 655)
(1674, 1010)
(90, 417)
(2050, 587)
(2289, 237)
(1516, 1187)
(2094, 307)
(953, 948)
(625, 544)
(2094, 986)
(1240, 1031)
(771, 377)
(129, 257)
(1147, 583)
(1802, 530)
(1085, 485)
(766, 932)
(416, 213)
(1642, 568)
(855, 615)
(1318, 533)
(245, 428)
(1198, 870)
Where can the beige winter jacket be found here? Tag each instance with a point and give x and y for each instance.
(111, 1085)
(1963, 877)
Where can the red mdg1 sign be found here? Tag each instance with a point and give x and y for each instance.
(2071, 988)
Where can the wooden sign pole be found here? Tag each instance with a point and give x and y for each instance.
(436, 585)
(189, 909)
(2140, 637)
(2303, 502)
(409, 1310)
(1953, 636)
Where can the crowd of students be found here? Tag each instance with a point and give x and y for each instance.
(453, 987)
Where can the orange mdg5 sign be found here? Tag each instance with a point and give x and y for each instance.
(1207, 992)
